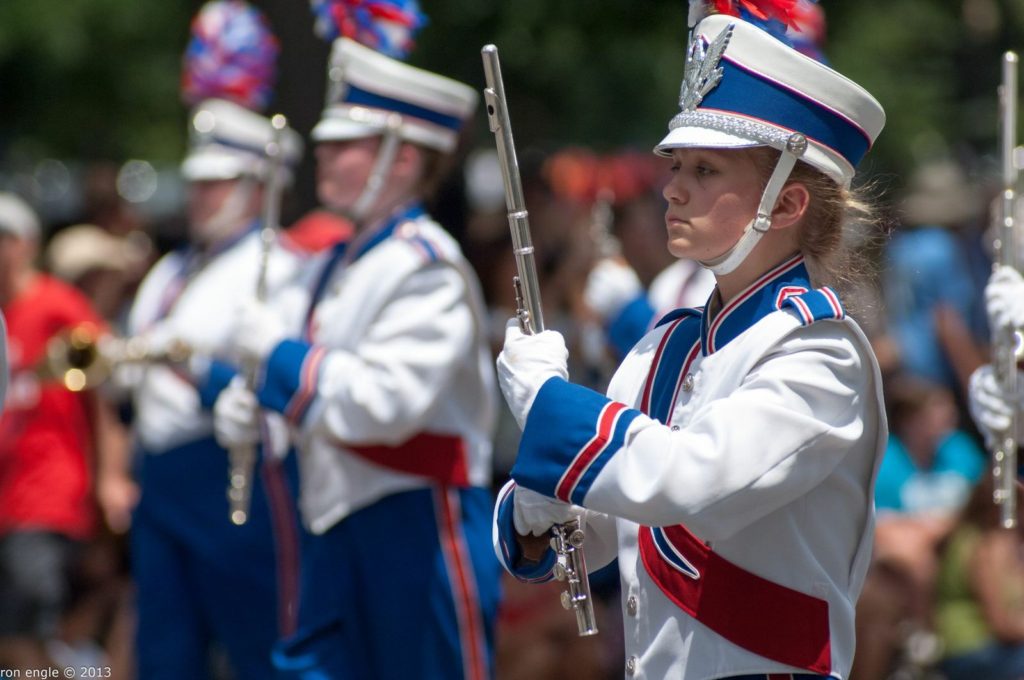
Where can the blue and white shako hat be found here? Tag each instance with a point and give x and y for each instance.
(743, 87)
(369, 94)
(228, 73)
(228, 141)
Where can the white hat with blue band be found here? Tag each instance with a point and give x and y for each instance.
(369, 92)
(742, 87)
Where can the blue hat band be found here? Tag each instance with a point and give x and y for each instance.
(360, 97)
(232, 144)
(750, 94)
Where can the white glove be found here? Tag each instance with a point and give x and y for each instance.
(256, 331)
(1004, 299)
(236, 414)
(990, 406)
(526, 363)
(611, 285)
(535, 514)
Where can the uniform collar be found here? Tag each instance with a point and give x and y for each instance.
(756, 301)
(376, 234)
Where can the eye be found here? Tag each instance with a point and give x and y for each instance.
(704, 170)
(675, 168)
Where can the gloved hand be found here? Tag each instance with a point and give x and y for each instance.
(611, 285)
(534, 514)
(527, 362)
(236, 413)
(1004, 299)
(988, 403)
(256, 331)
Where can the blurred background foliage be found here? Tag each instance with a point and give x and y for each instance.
(88, 80)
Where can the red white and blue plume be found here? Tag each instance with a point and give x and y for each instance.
(781, 14)
(387, 26)
(231, 55)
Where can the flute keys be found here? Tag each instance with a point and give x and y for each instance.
(566, 599)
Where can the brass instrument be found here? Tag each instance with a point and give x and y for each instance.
(1007, 341)
(242, 457)
(567, 539)
(82, 358)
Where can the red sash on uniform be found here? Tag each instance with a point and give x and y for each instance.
(441, 457)
(763, 617)
(752, 612)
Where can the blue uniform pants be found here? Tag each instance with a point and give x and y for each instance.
(404, 588)
(205, 585)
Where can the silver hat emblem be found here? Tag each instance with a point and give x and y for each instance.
(702, 71)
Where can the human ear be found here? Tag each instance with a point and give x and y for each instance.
(791, 205)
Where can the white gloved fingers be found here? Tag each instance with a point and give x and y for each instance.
(535, 514)
(236, 416)
(1004, 299)
(610, 286)
(526, 362)
(989, 407)
(256, 330)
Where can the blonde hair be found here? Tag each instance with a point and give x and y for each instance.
(833, 215)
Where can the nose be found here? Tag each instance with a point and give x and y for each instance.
(674, 191)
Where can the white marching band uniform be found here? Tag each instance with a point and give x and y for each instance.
(202, 304)
(741, 474)
(731, 467)
(397, 353)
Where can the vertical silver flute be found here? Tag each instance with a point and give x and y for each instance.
(1006, 343)
(567, 539)
(242, 457)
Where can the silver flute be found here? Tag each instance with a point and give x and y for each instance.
(567, 539)
(1007, 341)
(242, 457)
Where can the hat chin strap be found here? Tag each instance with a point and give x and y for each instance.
(381, 167)
(759, 226)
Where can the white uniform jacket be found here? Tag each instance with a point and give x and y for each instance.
(194, 297)
(741, 513)
(392, 388)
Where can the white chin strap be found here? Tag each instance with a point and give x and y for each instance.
(381, 167)
(233, 211)
(759, 226)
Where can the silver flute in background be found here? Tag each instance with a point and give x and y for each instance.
(567, 539)
(242, 457)
(1007, 341)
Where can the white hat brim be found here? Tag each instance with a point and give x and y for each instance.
(340, 130)
(208, 165)
(687, 137)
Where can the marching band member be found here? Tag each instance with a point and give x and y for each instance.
(991, 408)
(730, 468)
(202, 581)
(389, 388)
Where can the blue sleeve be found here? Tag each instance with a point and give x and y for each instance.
(630, 324)
(218, 376)
(289, 378)
(510, 555)
(571, 433)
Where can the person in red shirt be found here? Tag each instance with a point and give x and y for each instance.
(48, 437)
